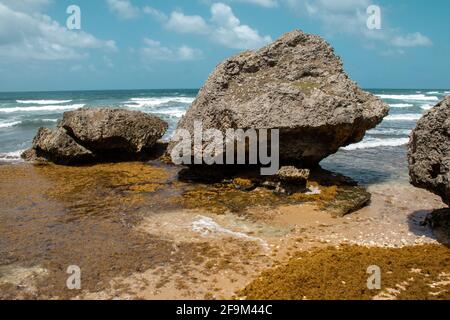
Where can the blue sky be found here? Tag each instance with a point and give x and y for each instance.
(145, 44)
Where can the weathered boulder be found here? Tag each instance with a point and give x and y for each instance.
(58, 147)
(114, 129)
(90, 135)
(297, 85)
(429, 151)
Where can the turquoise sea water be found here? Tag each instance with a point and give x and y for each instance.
(381, 156)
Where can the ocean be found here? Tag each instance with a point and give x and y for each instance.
(380, 157)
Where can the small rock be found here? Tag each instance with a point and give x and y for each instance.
(291, 174)
(290, 180)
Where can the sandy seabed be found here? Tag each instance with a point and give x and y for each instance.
(138, 232)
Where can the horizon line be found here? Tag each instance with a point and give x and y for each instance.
(173, 89)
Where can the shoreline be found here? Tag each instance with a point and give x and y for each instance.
(166, 250)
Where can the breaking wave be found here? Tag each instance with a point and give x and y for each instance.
(11, 156)
(152, 102)
(376, 143)
(9, 124)
(413, 97)
(404, 117)
(42, 108)
(401, 105)
(43, 102)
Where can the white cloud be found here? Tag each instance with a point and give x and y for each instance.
(182, 23)
(108, 62)
(124, 9)
(154, 50)
(229, 31)
(156, 14)
(26, 5)
(34, 36)
(223, 16)
(412, 40)
(268, 4)
(338, 6)
(350, 17)
(188, 53)
(262, 3)
(224, 27)
(392, 52)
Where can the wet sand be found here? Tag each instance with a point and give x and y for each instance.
(138, 232)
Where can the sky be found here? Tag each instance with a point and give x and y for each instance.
(163, 44)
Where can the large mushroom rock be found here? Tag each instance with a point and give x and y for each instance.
(91, 135)
(429, 151)
(297, 85)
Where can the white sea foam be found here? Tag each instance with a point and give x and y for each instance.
(49, 120)
(426, 107)
(406, 97)
(175, 112)
(207, 226)
(401, 105)
(403, 117)
(43, 102)
(390, 131)
(313, 190)
(151, 102)
(37, 121)
(9, 124)
(375, 143)
(11, 156)
(433, 92)
(178, 113)
(41, 108)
